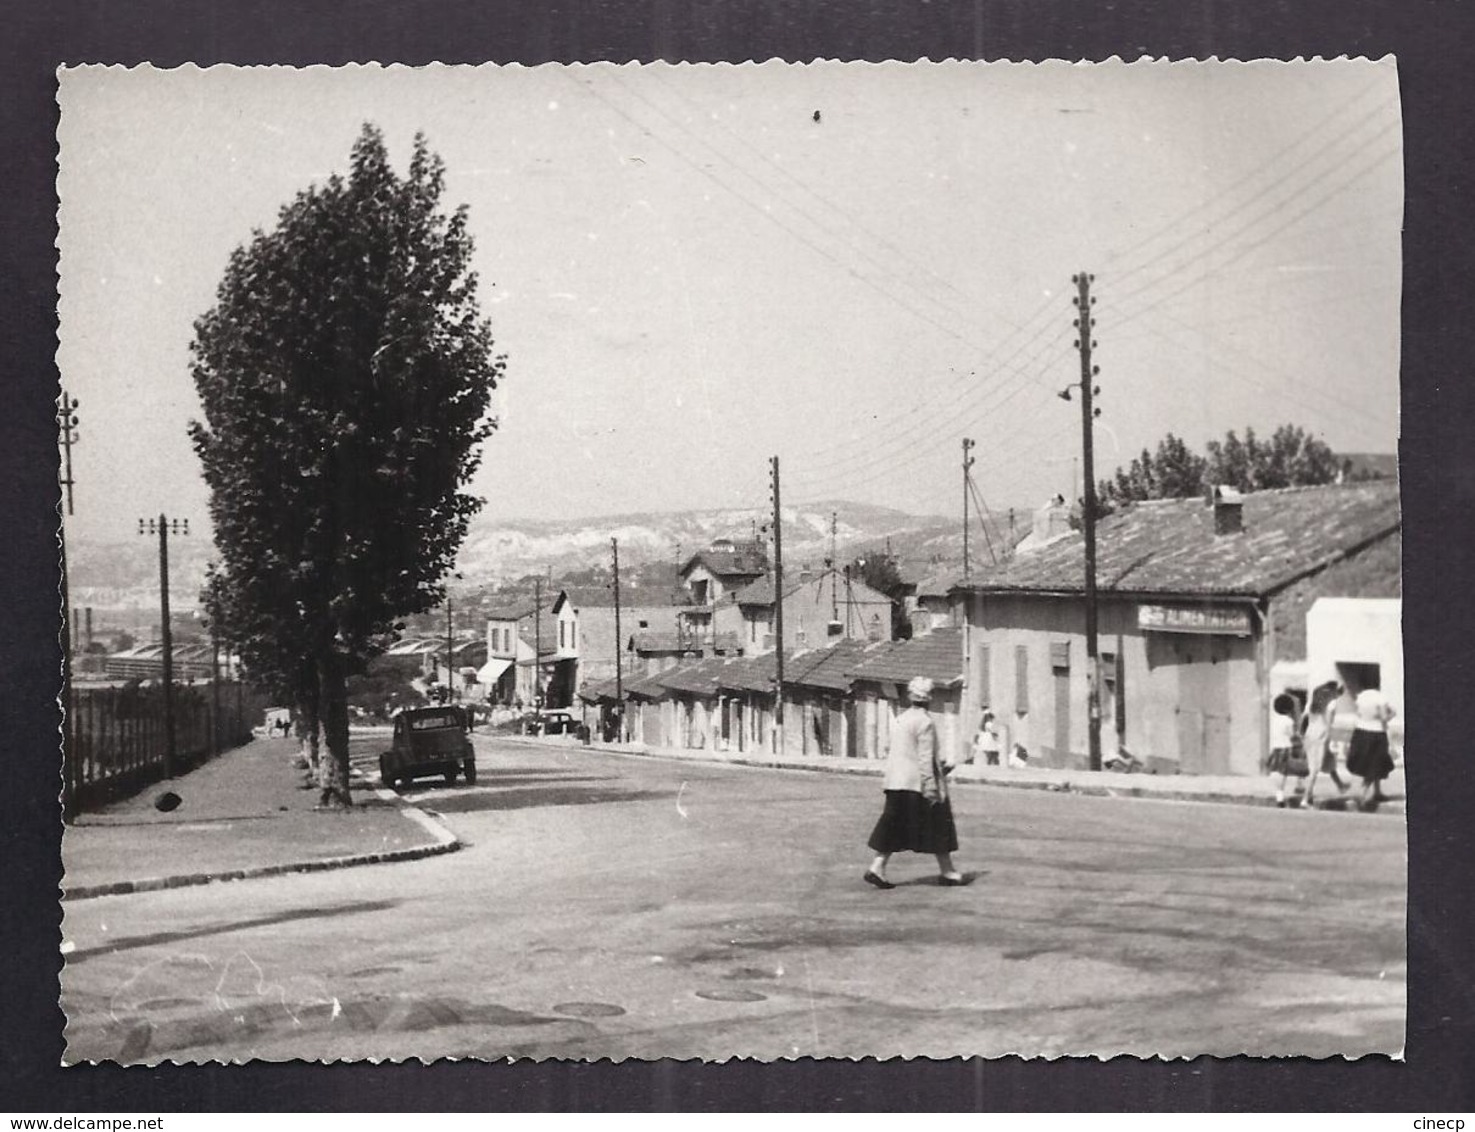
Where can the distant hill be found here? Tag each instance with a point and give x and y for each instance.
(125, 575)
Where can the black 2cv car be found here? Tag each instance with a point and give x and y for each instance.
(429, 740)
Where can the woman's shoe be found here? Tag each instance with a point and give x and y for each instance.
(952, 881)
(878, 881)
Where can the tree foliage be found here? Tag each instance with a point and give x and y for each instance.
(345, 374)
(1290, 458)
(878, 570)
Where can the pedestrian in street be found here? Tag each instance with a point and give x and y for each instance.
(1316, 737)
(1287, 758)
(918, 817)
(986, 742)
(1369, 757)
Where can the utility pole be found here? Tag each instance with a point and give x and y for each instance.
(1085, 324)
(834, 588)
(849, 602)
(967, 463)
(614, 546)
(450, 647)
(66, 419)
(163, 527)
(537, 644)
(214, 688)
(778, 605)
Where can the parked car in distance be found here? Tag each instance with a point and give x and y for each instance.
(427, 741)
(553, 722)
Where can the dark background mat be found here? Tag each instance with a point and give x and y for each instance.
(1432, 41)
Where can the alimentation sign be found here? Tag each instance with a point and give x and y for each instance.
(1230, 621)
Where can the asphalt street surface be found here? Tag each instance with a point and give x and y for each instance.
(625, 906)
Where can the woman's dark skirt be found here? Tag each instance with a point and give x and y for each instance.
(1368, 756)
(911, 823)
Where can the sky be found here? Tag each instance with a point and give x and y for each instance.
(849, 266)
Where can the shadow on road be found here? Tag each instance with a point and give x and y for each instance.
(130, 942)
(523, 799)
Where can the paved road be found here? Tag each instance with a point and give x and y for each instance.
(613, 906)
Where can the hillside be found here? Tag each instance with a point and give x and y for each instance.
(125, 575)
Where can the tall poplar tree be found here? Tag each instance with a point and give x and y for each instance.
(345, 374)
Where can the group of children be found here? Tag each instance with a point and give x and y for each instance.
(1302, 748)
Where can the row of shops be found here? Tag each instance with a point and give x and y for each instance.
(1207, 611)
(837, 700)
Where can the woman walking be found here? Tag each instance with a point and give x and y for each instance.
(1286, 757)
(1368, 757)
(1316, 728)
(918, 817)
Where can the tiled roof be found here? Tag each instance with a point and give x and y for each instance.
(745, 558)
(649, 640)
(699, 677)
(938, 655)
(517, 612)
(761, 591)
(748, 674)
(825, 668)
(600, 690)
(939, 582)
(645, 687)
(1168, 546)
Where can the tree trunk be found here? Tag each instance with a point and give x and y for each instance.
(305, 722)
(333, 712)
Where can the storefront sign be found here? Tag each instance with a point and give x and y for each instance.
(1194, 619)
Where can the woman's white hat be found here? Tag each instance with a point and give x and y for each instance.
(919, 690)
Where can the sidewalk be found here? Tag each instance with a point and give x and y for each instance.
(241, 815)
(1232, 789)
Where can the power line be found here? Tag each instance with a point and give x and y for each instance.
(831, 206)
(1203, 254)
(1300, 166)
(589, 88)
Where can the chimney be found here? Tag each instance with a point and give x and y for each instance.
(1228, 506)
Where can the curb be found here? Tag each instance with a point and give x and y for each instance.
(1088, 789)
(445, 842)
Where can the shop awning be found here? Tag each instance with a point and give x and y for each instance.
(491, 671)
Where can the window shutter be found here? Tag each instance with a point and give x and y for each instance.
(1060, 655)
(985, 676)
(1021, 678)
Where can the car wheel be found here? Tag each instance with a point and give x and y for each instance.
(468, 768)
(384, 775)
(451, 777)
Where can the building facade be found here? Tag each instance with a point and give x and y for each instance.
(1190, 595)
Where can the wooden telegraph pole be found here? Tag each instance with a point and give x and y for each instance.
(778, 599)
(614, 546)
(967, 463)
(66, 419)
(1085, 324)
(537, 644)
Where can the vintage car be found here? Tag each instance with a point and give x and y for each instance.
(429, 740)
(553, 721)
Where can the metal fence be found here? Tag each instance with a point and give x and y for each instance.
(117, 742)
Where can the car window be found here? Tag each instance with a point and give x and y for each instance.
(435, 722)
